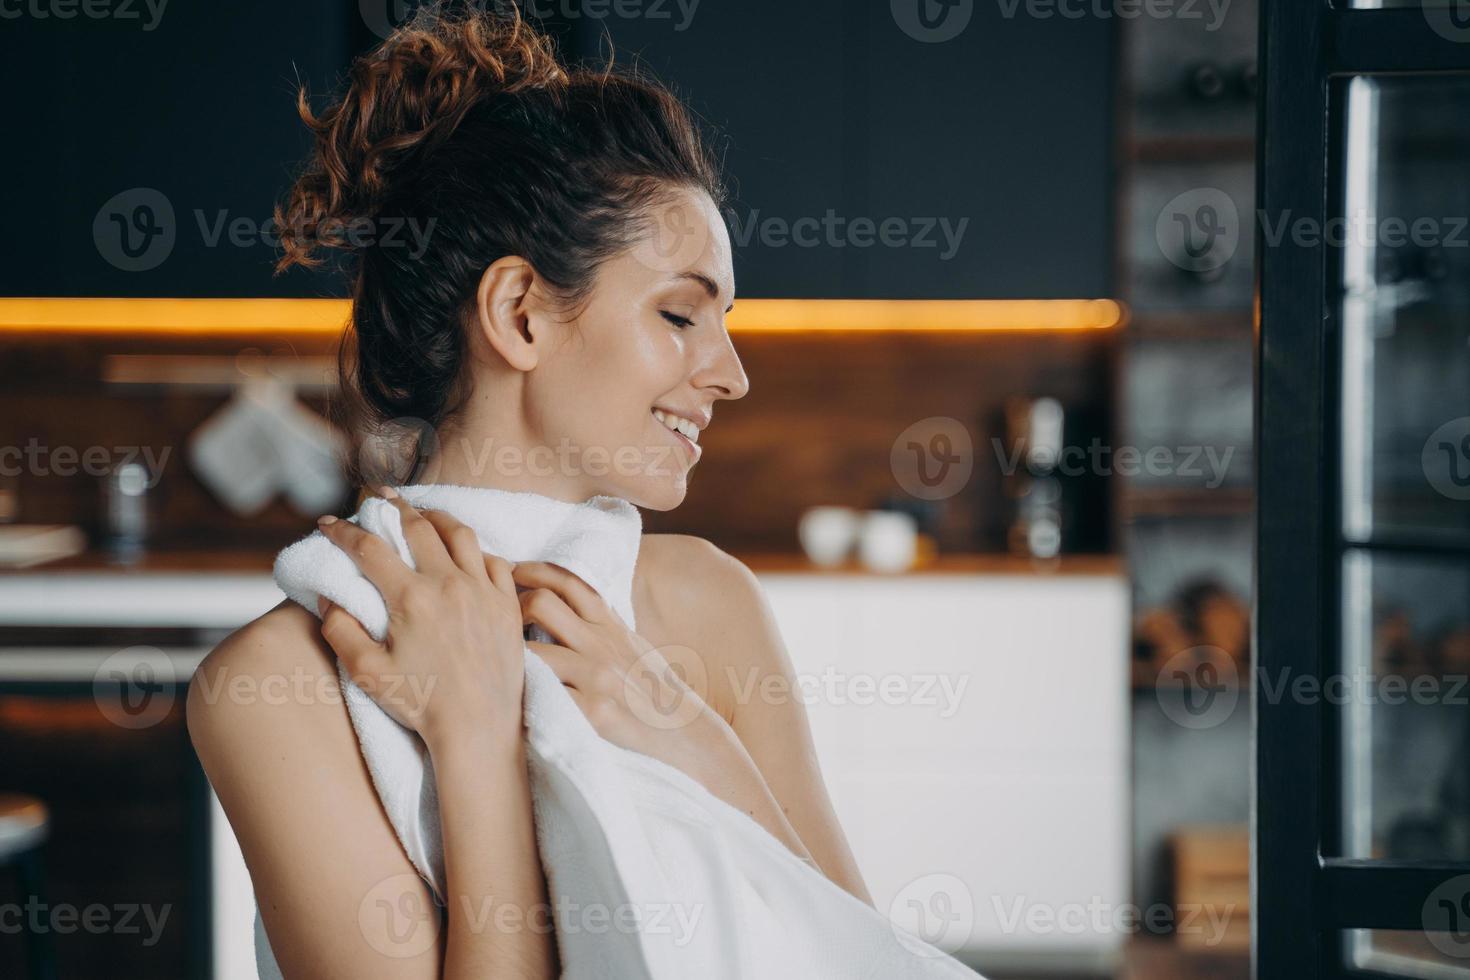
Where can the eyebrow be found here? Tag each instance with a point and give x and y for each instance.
(707, 283)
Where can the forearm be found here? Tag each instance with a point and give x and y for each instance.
(498, 918)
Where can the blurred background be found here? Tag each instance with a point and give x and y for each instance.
(994, 472)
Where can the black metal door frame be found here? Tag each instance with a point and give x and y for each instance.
(1302, 896)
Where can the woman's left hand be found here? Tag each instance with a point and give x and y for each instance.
(634, 697)
(624, 685)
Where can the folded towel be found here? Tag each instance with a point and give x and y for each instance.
(649, 874)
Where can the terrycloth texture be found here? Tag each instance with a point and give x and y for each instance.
(650, 875)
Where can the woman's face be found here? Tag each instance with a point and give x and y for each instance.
(648, 355)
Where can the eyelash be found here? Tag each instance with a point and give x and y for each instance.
(678, 321)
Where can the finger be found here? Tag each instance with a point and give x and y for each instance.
(582, 598)
(500, 572)
(461, 541)
(429, 553)
(373, 556)
(352, 644)
(569, 666)
(549, 611)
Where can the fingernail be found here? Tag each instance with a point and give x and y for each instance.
(321, 605)
(326, 519)
(386, 491)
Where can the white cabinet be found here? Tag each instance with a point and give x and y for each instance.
(973, 733)
(972, 729)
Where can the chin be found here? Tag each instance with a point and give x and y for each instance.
(665, 495)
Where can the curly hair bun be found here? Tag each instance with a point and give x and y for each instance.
(405, 97)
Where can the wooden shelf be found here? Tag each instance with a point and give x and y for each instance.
(1186, 149)
(1192, 325)
(1149, 502)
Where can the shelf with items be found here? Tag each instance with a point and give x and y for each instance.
(1202, 634)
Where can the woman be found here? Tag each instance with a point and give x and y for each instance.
(571, 293)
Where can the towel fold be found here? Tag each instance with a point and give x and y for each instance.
(649, 874)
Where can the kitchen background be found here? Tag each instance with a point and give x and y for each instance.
(1071, 270)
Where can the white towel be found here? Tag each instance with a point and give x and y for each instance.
(649, 874)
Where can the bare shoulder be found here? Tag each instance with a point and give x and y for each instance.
(668, 552)
(268, 721)
(681, 576)
(260, 676)
(706, 607)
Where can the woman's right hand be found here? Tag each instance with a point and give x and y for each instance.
(453, 659)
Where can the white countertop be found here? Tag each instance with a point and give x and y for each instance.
(202, 600)
(222, 599)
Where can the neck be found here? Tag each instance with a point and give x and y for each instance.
(518, 465)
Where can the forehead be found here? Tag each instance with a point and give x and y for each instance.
(685, 239)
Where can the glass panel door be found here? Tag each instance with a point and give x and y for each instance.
(1402, 694)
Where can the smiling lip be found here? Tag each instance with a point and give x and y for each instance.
(694, 449)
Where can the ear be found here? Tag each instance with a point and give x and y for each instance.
(504, 311)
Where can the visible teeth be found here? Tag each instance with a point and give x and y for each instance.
(680, 425)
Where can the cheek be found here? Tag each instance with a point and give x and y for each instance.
(637, 367)
(609, 387)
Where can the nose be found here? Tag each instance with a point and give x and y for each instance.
(722, 371)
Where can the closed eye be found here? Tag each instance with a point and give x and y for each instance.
(679, 321)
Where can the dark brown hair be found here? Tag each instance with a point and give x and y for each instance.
(466, 119)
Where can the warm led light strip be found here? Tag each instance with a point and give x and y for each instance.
(141, 317)
(903, 315)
